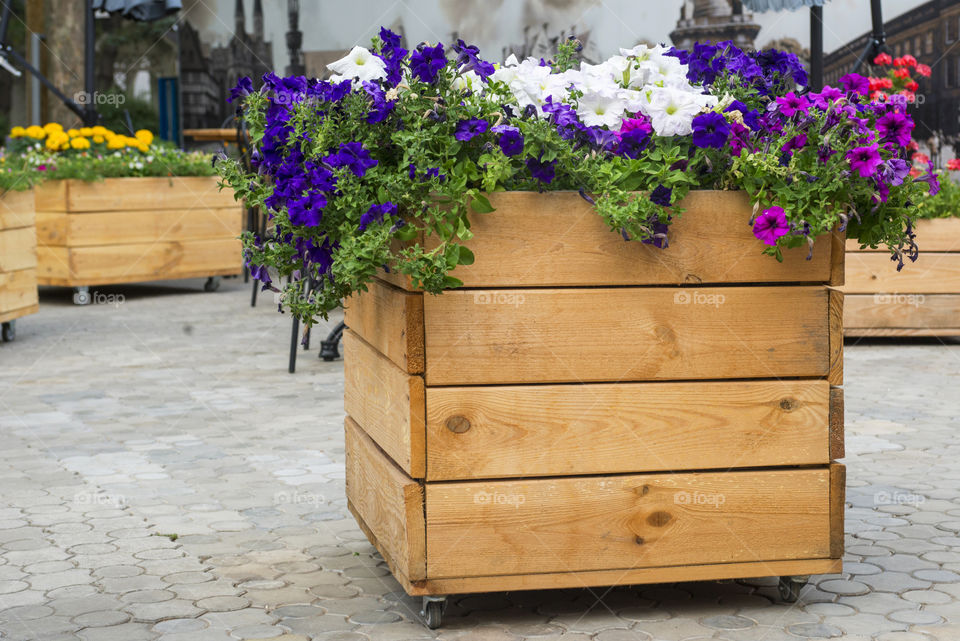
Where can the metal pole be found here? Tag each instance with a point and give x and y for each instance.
(90, 111)
(816, 48)
(35, 112)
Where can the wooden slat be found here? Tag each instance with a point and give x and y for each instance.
(870, 332)
(389, 502)
(613, 522)
(18, 249)
(836, 337)
(127, 194)
(636, 576)
(625, 334)
(838, 485)
(836, 423)
(386, 402)
(548, 430)
(556, 239)
(18, 290)
(16, 209)
(837, 258)
(933, 273)
(126, 227)
(13, 314)
(931, 312)
(137, 262)
(391, 320)
(933, 235)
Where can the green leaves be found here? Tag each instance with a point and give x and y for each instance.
(481, 204)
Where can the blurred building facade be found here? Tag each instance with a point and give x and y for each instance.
(714, 21)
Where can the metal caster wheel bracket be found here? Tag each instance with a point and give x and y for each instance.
(9, 331)
(432, 611)
(212, 284)
(789, 587)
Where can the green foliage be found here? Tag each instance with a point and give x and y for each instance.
(945, 204)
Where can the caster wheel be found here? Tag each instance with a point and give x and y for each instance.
(9, 331)
(433, 612)
(212, 284)
(81, 296)
(789, 588)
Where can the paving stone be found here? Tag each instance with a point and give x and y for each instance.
(159, 611)
(914, 617)
(223, 603)
(101, 618)
(815, 630)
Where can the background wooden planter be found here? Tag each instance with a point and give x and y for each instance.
(18, 258)
(124, 230)
(589, 411)
(921, 300)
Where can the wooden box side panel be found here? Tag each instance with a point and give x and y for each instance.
(933, 235)
(548, 430)
(902, 311)
(875, 273)
(606, 523)
(16, 209)
(391, 320)
(386, 402)
(129, 194)
(626, 334)
(18, 291)
(92, 229)
(389, 503)
(18, 249)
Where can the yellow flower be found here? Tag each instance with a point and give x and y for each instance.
(144, 136)
(18, 132)
(144, 147)
(53, 144)
(73, 133)
(80, 143)
(98, 139)
(100, 130)
(115, 143)
(86, 131)
(36, 132)
(51, 127)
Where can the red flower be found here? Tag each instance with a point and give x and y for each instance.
(920, 158)
(913, 86)
(898, 62)
(914, 173)
(902, 73)
(883, 59)
(886, 83)
(913, 146)
(923, 70)
(954, 164)
(909, 60)
(910, 96)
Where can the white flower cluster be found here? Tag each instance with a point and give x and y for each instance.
(642, 79)
(360, 63)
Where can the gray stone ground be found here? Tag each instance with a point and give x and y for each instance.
(173, 413)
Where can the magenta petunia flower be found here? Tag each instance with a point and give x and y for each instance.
(792, 103)
(771, 225)
(865, 160)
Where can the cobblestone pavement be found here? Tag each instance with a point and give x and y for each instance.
(163, 477)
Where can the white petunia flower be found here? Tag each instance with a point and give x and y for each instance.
(598, 108)
(671, 111)
(359, 63)
(469, 81)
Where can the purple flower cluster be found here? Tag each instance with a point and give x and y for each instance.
(766, 71)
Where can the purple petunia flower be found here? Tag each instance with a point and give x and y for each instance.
(751, 118)
(467, 129)
(380, 107)
(307, 210)
(243, 89)
(392, 55)
(661, 195)
(468, 60)
(865, 160)
(895, 127)
(792, 103)
(824, 153)
(710, 130)
(354, 156)
(426, 61)
(511, 140)
(376, 213)
(855, 83)
(894, 171)
(542, 171)
(771, 225)
(796, 143)
(931, 179)
(823, 99)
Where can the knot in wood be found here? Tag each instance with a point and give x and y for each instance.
(458, 424)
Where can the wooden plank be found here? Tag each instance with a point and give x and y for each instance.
(710, 242)
(579, 524)
(18, 290)
(127, 194)
(13, 314)
(838, 484)
(836, 423)
(931, 312)
(548, 430)
(391, 320)
(16, 209)
(635, 576)
(211, 135)
(126, 227)
(933, 235)
(837, 258)
(18, 249)
(51, 195)
(139, 262)
(625, 334)
(390, 502)
(933, 273)
(386, 402)
(836, 338)
(869, 332)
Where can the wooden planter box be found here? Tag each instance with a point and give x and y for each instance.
(588, 411)
(18, 257)
(921, 300)
(124, 230)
